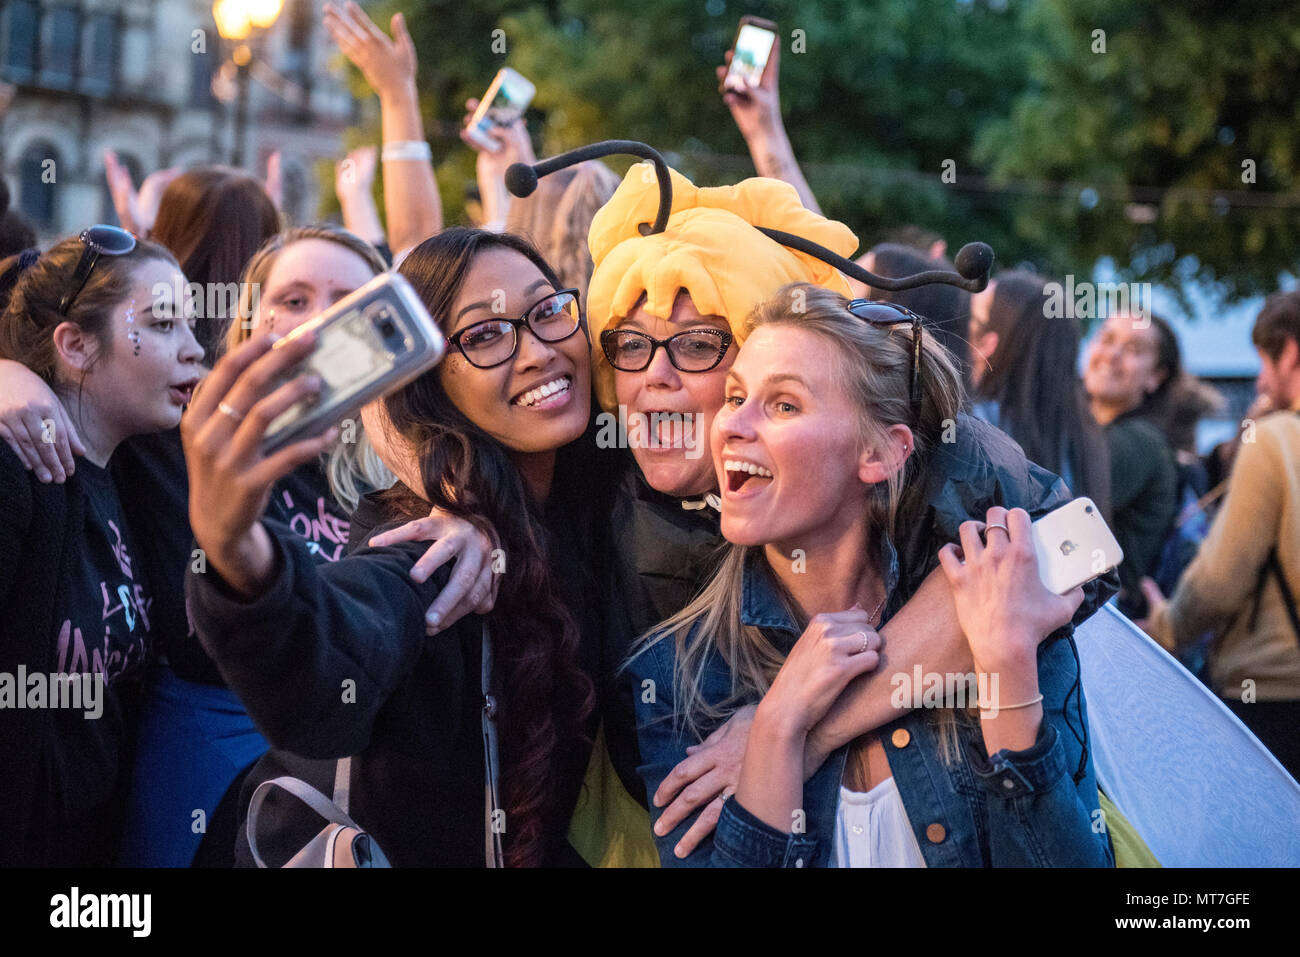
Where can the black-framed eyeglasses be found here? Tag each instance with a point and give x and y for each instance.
(891, 314)
(99, 241)
(493, 342)
(693, 350)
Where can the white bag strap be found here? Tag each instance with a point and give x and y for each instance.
(491, 758)
(343, 783)
(303, 792)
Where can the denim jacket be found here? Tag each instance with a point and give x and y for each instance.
(1016, 809)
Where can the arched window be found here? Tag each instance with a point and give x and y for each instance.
(38, 189)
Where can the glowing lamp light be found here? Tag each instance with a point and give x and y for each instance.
(233, 20)
(263, 13)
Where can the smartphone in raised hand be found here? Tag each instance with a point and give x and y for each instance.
(502, 104)
(749, 54)
(368, 344)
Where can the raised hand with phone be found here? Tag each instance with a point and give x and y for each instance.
(755, 104)
(494, 128)
(230, 476)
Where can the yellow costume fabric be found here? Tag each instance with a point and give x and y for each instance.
(1130, 849)
(710, 249)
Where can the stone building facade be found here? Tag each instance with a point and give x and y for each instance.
(147, 79)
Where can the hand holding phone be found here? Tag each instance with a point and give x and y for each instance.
(230, 478)
(754, 103)
(1004, 612)
(503, 103)
(368, 344)
(755, 44)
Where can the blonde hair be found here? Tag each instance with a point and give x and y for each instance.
(873, 370)
(354, 467)
(557, 218)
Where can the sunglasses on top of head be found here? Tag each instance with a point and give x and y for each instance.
(99, 241)
(890, 314)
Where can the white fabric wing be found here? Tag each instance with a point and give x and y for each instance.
(1193, 780)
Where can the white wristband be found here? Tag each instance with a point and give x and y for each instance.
(417, 150)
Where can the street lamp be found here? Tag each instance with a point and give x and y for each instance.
(241, 22)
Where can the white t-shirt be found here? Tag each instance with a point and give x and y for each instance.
(872, 830)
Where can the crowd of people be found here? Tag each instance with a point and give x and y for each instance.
(691, 636)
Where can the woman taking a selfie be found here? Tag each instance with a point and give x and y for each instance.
(791, 635)
(196, 741)
(84, 318)
(333, 660)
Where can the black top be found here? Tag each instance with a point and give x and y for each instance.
(303, 501)
(151, 474)
(77, 601)
(332, 660)
(1144, 501)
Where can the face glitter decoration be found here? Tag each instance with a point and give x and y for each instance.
(133, 333)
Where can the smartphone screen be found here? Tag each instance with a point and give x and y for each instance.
(749, 59)
(505, 101)
(512, 97)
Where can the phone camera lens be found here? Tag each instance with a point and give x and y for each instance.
(1088, 509)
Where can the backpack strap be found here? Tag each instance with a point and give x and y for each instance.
(491, 758)
(305, 793)
(1272, 565)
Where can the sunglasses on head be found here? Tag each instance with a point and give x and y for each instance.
(99, 241)
(890, 314)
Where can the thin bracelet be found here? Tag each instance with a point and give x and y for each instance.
(406, 150)
(1012, 707)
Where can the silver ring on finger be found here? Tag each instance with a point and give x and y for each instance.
(225, 408)
(989, 528)
(866, 642)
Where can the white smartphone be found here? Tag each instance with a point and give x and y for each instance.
(502, 104)
(1074, 546)
(750, 53)
(368, 344)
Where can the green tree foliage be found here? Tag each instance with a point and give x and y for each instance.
(1051, 144)
(1189, 99)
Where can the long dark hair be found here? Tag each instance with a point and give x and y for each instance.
(472, 475)
(1033, 378)
(1169, 360)
(946, 307)
(213, 219)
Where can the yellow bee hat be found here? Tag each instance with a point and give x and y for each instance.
(709, 247)
(729, 247)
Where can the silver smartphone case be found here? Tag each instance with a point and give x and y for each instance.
(368, 344)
